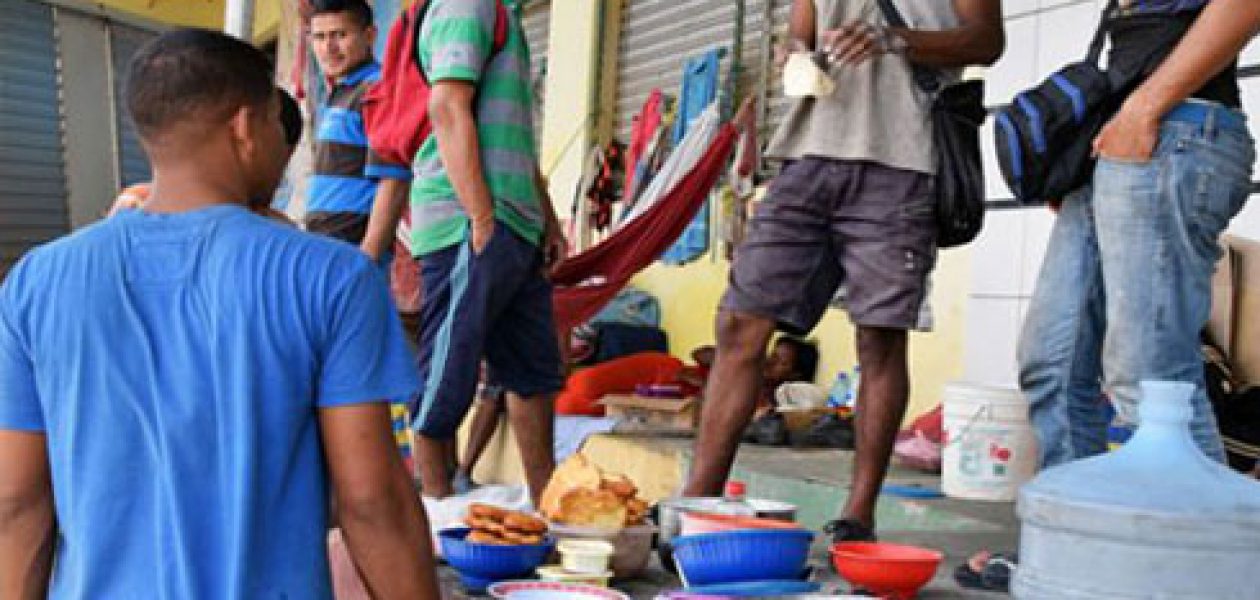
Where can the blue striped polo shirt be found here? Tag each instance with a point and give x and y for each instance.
(346, 169)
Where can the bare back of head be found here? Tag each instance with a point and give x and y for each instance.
(208, 116)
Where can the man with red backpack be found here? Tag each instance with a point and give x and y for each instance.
(485, 232)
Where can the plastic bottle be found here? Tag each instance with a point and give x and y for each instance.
(733, 501)
(855, 387)
(839, 395)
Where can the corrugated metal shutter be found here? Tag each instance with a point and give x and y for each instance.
(658, 36)
(537, 23)
(124, 41)
(32, 162)
(776, 103)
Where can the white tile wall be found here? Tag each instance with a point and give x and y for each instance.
(992, 328)
(1247, 223)
(1064, 37)
(996, 255)
(1250, 56)
(995, 186)
(1015, 8)
(1251, 103)
(1017, 69)
(1038, 223)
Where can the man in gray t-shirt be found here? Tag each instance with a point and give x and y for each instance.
(853, 205)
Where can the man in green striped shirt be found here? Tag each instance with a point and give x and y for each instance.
(485, 232)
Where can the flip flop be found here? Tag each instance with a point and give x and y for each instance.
(994, 577)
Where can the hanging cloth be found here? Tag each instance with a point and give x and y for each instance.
(646, 124)
(741, 186)
(699, 90)
(585, 283)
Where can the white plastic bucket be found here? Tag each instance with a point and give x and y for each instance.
(990, 449)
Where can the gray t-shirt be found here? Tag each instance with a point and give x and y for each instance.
(876, 113)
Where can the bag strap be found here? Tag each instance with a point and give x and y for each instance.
(926, 78)
(1100, 35)
(421, 8)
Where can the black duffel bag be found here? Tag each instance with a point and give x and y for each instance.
(957, 113)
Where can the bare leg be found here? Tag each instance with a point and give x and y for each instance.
(485, 422)
(882, 398)
(730, 398)
(533, 423)
(435, 476)
(450, 449)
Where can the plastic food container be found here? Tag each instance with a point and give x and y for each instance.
(739, 556)
(632, 545)
(671, 511)
(559, 575)
(694, 523)
(587, 557)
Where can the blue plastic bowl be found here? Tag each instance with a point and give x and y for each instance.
(745, 555)
(480, 565)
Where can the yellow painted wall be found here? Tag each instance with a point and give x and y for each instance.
(689, 296)
(199, 13)
(568, 105)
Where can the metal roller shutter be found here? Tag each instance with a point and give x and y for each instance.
(658, 36)
(32, 162)
(776, 103)
(124, 41)
(536, 19)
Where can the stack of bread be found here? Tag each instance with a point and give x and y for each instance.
(494, 525)
(581, 494)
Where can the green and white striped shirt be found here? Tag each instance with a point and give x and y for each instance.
(456, 43)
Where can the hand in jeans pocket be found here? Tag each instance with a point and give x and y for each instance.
(1129, 137)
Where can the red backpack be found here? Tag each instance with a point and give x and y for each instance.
(396, 108)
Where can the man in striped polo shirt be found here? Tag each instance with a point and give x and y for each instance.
(485, 232)
(355, 195)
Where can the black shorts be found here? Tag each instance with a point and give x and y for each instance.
(825, 222)
(495, 305)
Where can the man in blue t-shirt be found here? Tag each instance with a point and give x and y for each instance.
(181, 386)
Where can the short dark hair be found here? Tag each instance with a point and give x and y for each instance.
(806, 364)
(290, 118)
(194, 72)
(359, 9)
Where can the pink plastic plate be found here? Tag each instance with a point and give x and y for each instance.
(547, 590)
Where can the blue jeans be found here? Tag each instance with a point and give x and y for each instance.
(1125, 287)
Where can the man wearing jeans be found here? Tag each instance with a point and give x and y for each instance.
(1125, 287)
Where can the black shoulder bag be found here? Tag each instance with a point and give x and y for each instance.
(957, 112)
(1045, 136)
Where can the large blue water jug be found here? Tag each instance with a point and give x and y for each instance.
(1155, 519)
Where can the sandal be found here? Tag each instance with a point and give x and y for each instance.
(994, 576)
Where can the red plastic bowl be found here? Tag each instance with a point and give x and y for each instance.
(887, 570)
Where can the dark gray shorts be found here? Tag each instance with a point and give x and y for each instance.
(825, 222)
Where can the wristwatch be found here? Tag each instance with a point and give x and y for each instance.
(890, 42)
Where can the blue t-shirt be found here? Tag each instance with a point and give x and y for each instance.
(175, 364)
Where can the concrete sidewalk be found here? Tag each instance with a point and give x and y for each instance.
(816, 481)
